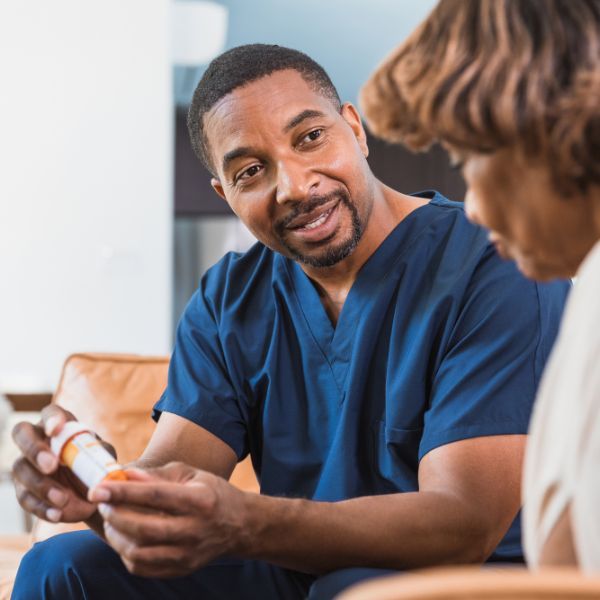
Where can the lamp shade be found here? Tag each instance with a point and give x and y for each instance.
(199, 31)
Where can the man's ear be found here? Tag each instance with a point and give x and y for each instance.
(216, 185)
(351, 116)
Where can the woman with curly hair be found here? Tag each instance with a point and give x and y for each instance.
(511, 88)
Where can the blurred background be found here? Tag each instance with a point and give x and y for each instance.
(107, 220)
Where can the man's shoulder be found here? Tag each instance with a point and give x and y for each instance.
(240, 276)
(447, 219)
(460, 254)
(437, 199)
(232, 264)
(444, 238)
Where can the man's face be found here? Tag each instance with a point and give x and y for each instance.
(292, 167)
(529, 221)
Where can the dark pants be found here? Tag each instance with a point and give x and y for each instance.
(81, 566)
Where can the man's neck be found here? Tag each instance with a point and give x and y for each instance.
(334, 283)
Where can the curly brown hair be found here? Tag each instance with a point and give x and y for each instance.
(481, 75)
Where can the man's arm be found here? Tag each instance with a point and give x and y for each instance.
(469, 495)
(178, 439)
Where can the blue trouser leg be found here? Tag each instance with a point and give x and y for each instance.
(80, 566)
(328, 586)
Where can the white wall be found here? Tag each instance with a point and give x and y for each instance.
(85, 186)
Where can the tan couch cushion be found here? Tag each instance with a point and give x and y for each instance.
(477, 583)
(114, 394)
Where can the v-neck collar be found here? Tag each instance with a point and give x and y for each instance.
(336, 342)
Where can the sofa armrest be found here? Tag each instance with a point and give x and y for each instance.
(479, 583)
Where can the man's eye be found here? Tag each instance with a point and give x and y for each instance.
(313, 135)
(249, 172)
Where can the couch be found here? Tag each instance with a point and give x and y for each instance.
(113, 394)
(476, 583)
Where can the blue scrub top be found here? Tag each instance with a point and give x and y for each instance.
(439, 340)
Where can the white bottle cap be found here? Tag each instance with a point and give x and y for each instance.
(69, 429)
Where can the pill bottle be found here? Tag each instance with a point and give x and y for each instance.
(79, 449)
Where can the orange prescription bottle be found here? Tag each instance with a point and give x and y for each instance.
(79, 449)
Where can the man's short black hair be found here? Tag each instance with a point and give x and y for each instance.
(240, 66)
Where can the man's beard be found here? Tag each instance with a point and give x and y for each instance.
(332, 254)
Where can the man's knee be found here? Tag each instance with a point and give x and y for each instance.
(64, 566)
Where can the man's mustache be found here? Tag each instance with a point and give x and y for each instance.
(302, 208)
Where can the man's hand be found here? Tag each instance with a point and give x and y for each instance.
(43, 487)
(170, 521)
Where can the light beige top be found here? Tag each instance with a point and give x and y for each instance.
(562, 463)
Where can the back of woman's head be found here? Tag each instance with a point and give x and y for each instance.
(481, 75)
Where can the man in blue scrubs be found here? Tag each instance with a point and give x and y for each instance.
(372, 353)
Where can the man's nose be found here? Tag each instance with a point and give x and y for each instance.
(295, 182)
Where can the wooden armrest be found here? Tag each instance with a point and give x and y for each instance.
(479, 583)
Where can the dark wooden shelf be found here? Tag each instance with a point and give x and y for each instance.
(29, 402)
